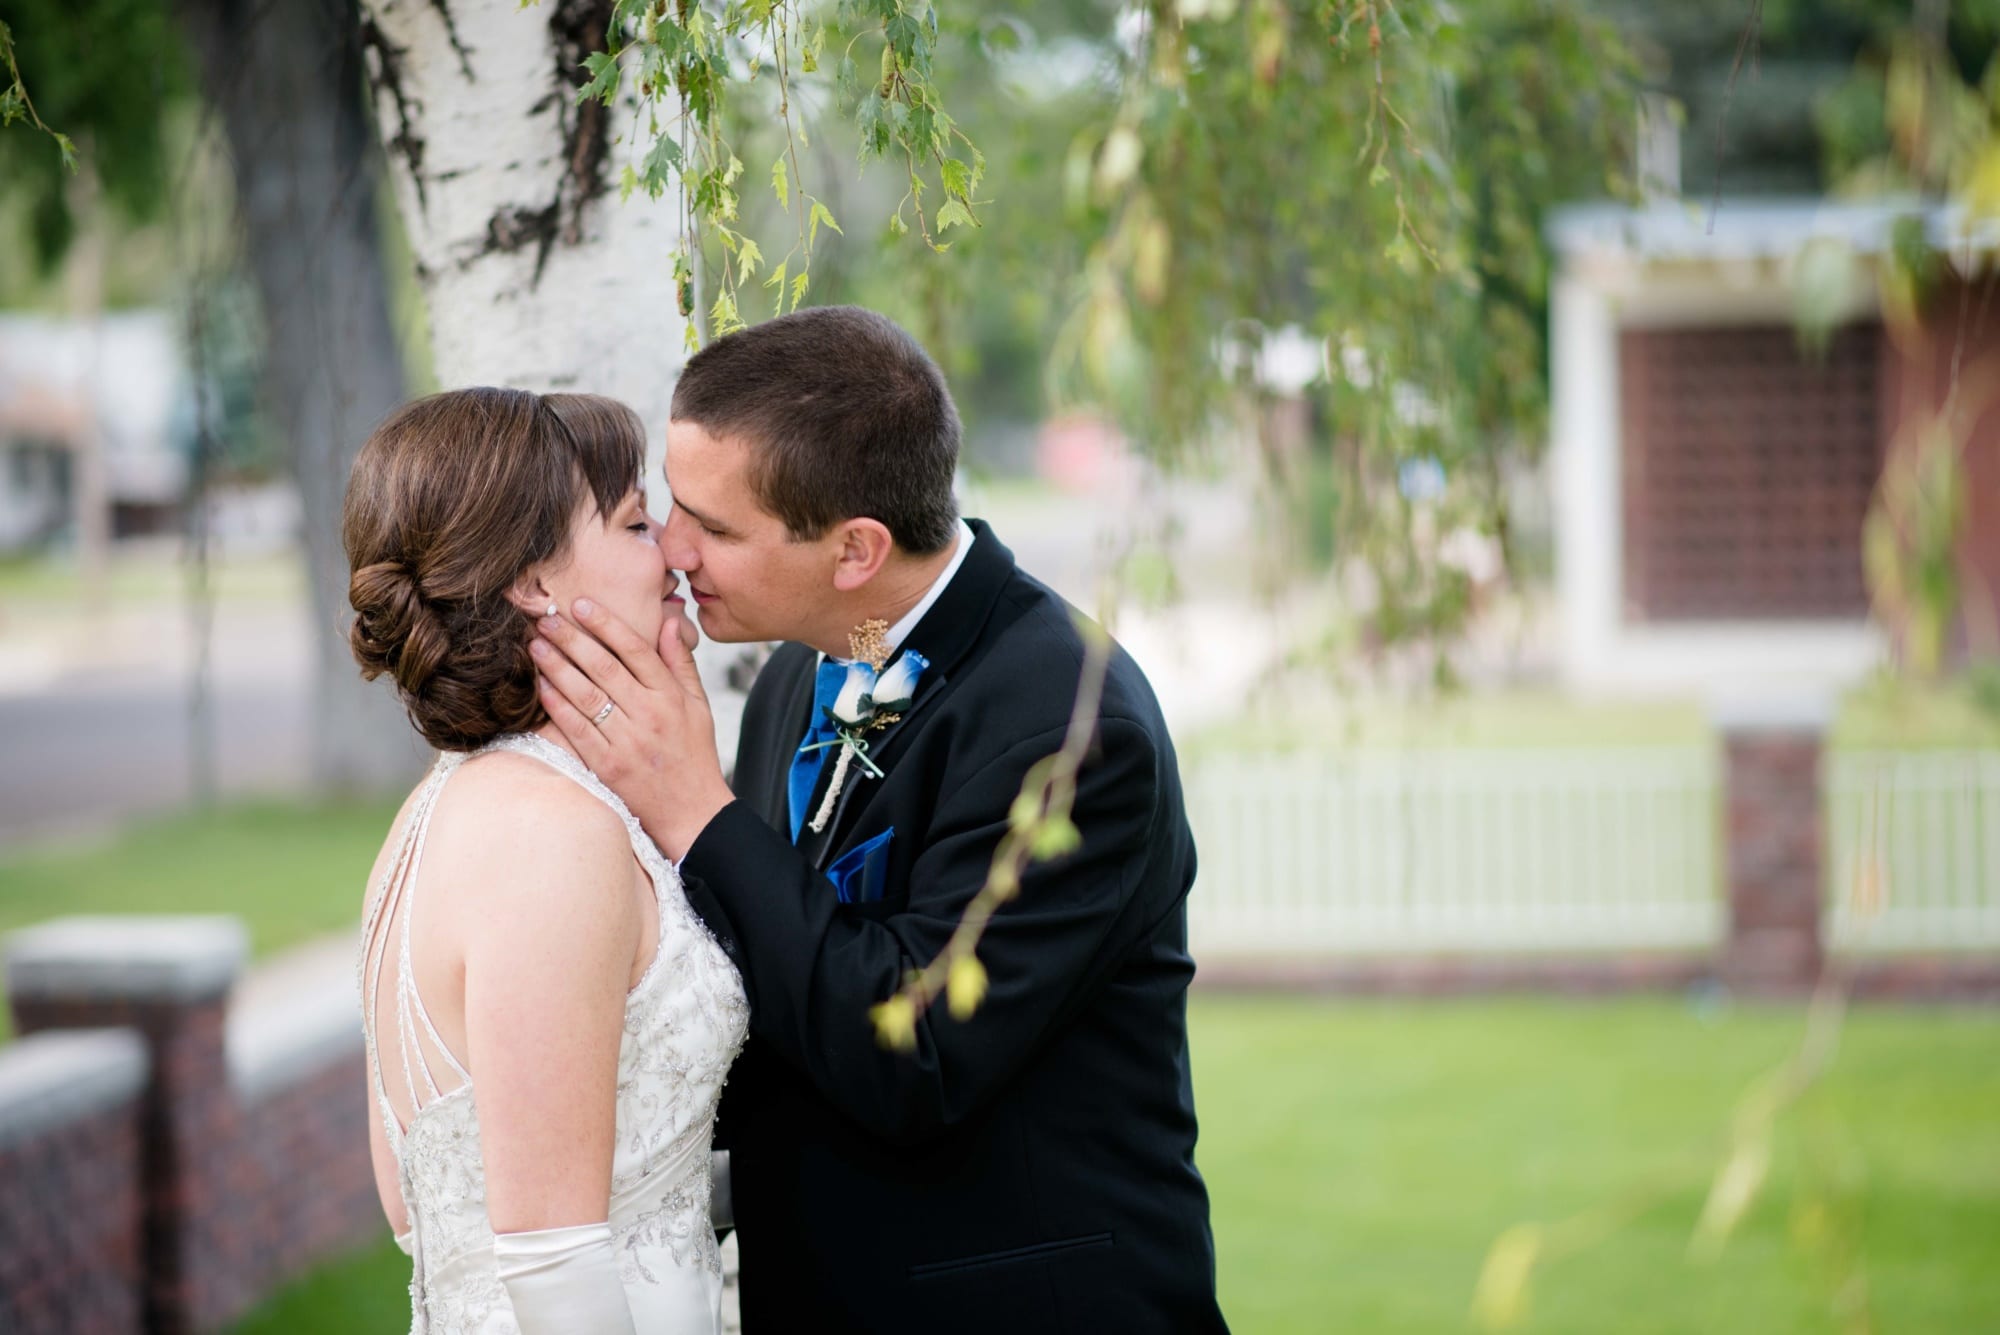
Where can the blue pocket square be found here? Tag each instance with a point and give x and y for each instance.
(861, 874)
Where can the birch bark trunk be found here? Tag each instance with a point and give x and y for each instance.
(535, 273)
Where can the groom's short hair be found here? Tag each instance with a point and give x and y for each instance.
(846, 416)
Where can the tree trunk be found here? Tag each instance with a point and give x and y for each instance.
(536, 275)
(287, 79)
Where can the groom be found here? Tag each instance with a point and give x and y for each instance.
(1030, 1169)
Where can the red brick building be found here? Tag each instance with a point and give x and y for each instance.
(1713, 467)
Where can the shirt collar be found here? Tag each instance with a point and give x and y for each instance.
(908, 621)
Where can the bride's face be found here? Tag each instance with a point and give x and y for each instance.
(615, 560)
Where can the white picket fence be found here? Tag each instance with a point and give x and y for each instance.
(1455, 850)
(1913, 839)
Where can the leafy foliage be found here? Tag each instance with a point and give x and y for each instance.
(101, 71)
(1373, 177)
(689, 61)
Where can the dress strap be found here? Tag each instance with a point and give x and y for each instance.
(395, 896)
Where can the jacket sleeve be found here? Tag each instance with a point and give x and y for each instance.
(812, 970)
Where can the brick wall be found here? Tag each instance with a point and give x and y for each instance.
(1773, 850)
(238, 1159)
(1746, 470)
(69, 1184)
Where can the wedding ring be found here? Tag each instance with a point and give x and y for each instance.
(603, 714)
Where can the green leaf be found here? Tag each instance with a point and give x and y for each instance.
(965, 986)
(952, 213)
(604, 72)
(722, 316)
(1379, 176)
(68, 151)
(777, 280)
(903, 33)
(663, 159)
(895, 1023)
(820, 215)
(897, 227)
(781, 183)
(1058, 835)
(957, 178)
(748, 256)
(628, 181)
(799, 289)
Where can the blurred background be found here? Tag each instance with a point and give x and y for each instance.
(1545, 454)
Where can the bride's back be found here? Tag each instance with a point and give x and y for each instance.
(479, 844)
(548, 1023)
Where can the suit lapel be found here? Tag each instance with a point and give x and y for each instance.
(945, 636)
(768, 787)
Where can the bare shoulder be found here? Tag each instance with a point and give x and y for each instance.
(511, 823)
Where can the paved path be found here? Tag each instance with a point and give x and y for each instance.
(95, 723)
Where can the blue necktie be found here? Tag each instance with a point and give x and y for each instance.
(806, 764)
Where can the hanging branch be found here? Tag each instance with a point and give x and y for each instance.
(15, 105)
(685, 57)
(1040, 828)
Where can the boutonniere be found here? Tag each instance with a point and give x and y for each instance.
(872, 697)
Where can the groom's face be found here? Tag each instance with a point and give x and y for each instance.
(748, 579)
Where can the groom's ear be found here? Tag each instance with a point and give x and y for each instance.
(862, 548)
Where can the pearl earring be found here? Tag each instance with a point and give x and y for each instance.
(552, 609)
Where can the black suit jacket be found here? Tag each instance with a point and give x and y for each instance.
(1029, 1170)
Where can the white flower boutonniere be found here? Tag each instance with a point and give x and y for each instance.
(869, 700)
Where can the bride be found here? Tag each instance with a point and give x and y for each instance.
(548, 1023)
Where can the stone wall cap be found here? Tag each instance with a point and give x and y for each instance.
(1804, 710)
(178, 958)
(294, 1016)
(52, 1078)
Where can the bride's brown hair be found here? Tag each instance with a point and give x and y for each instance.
(453, 498)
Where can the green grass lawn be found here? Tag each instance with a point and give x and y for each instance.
(290, 872)
(1362, 1157)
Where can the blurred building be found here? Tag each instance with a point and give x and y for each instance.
(89, 436)
(1726, 394)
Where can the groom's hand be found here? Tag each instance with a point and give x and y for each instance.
(656, 746)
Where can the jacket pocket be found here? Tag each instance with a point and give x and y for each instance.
(861, 874)
(1013, 1256)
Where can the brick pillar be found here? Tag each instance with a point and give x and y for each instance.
(1774, 848)
(69, 1183)
(169, 979)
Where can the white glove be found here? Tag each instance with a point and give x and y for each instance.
(564, 1280)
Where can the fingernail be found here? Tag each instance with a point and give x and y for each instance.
(583, 607)
(547, 625)
(539, 648)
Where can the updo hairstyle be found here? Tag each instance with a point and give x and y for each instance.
(453, 498)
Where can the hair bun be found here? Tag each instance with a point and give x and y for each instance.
(394, 631)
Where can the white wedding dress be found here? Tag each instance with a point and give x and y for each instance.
(685, 1020)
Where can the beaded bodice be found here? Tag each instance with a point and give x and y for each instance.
(685, 1021)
